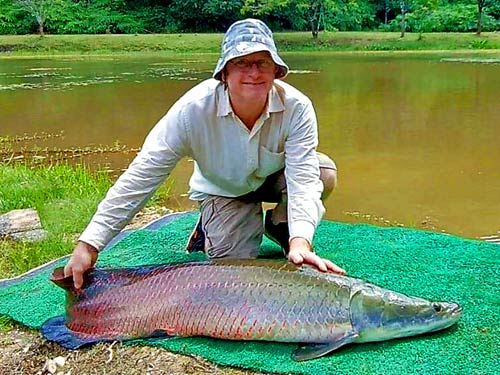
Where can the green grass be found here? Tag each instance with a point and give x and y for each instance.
(65, 198)
(6, 324)
(29, 45)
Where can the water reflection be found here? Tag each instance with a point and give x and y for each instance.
(68, 78)
(415, 137)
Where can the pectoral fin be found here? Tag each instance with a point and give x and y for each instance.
(311, 351)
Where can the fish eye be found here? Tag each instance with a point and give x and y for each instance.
(437, 307)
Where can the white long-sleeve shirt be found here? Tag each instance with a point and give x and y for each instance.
(229, 159)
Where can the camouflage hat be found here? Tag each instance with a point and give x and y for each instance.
(245, 37)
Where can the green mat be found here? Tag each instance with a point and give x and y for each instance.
(430, 265)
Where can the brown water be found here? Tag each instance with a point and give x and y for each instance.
(416, 138)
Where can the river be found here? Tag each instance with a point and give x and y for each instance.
(416, 136)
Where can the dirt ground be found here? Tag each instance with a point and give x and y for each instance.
(24, 351)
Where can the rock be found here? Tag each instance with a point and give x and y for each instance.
(60, 361)
(22, 225)
(30, 236)
(53, 365)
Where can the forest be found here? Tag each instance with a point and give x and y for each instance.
(177, 16)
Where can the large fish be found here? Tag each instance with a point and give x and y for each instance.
(240, 300)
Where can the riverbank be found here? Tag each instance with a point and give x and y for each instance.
(33, 45)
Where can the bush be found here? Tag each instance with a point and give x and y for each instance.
(67, 17)
(13, 20)
(353, 15)
(448, 18)
(154, 19)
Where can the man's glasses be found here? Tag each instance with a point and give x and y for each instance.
(244, 65)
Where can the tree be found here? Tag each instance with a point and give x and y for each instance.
(205, 15)
(481, 5)
(419, 10)
(404, 9)
(38, 9)
(316, 13)
(313, 9)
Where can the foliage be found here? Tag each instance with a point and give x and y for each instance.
(449, 18)
(314, 15)
(37, 9)
(13, 19)
(98, 17)
(158, 16)
(154, 19)
(352, 15)
(209, 15)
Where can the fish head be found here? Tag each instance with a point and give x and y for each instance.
(379, 314)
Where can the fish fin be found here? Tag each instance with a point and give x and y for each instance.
(55, 330)
(98, 279)
(312, 351)
(160, 334)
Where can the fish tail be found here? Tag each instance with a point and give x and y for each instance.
(99, 279)
(55, 330)
(58, 278)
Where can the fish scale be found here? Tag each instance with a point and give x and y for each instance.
(240, 300)
(225, 301)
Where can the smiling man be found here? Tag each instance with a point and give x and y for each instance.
(253, 139)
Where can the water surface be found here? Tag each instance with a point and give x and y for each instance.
(416, 137)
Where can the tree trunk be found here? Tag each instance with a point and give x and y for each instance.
(403, 18)
(480, 5)
(40, 28)
(386, 11)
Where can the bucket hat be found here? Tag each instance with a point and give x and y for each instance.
(245, 37)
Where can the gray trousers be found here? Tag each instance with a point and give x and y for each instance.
(233, 227)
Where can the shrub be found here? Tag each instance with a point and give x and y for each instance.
(448, 18)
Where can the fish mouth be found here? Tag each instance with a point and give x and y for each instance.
(456, 310)
(451, 314)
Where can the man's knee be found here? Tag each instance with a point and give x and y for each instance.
(329, 178)
(233, 229)
(328, 174)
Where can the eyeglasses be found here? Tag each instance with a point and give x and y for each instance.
(244, 65)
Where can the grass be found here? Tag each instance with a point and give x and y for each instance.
(29, 45)
(6, 324)
(65, 197)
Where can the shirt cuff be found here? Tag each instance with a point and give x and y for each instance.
(93, 237)
(303, 229)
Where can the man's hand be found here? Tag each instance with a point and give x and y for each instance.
(301, 252)
(84, 257)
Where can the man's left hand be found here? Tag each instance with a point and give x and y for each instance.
(301, 252)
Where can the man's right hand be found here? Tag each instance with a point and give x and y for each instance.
(84, 257)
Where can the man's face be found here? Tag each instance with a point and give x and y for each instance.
(250, 77)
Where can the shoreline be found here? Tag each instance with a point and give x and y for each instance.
(121, 55)
(34, 46)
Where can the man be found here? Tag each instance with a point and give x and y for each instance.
(253, 139)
